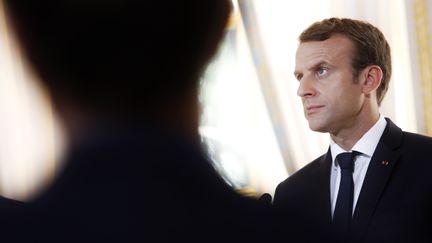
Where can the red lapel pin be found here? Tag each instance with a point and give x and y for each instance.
(385, 162)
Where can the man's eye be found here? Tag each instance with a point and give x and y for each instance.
(322, 71)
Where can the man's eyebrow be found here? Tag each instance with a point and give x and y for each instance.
(316, 65)
(298, 75)
(311, 67)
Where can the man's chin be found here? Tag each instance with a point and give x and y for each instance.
(317, 127)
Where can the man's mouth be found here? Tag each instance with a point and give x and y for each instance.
(311, 109)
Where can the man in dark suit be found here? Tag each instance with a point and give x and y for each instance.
(123, 77)
(373, 184)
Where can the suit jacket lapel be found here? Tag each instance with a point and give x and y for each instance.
(324, 189)
(381, 165)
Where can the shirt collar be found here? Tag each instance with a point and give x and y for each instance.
(366, 144)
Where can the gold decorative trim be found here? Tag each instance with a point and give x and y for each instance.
(247, 192)
(424, 54)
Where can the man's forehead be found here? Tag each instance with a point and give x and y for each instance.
(333, 49)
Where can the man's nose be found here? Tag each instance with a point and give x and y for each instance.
(306, 88)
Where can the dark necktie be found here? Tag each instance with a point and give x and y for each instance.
(343, 211)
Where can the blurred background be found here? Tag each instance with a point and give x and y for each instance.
(252, 122)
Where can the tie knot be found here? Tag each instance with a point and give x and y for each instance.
(346, 160)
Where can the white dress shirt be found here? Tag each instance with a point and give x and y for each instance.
(366, 145)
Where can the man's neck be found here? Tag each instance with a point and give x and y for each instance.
(181, 118)
(347, 138)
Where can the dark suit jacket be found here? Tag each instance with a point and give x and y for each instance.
(141, 183)
(395, 202)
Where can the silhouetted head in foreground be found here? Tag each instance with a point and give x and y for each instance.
(121, 59)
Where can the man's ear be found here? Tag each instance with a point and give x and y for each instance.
(371, 78)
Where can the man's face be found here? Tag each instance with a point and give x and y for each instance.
(332, 100)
